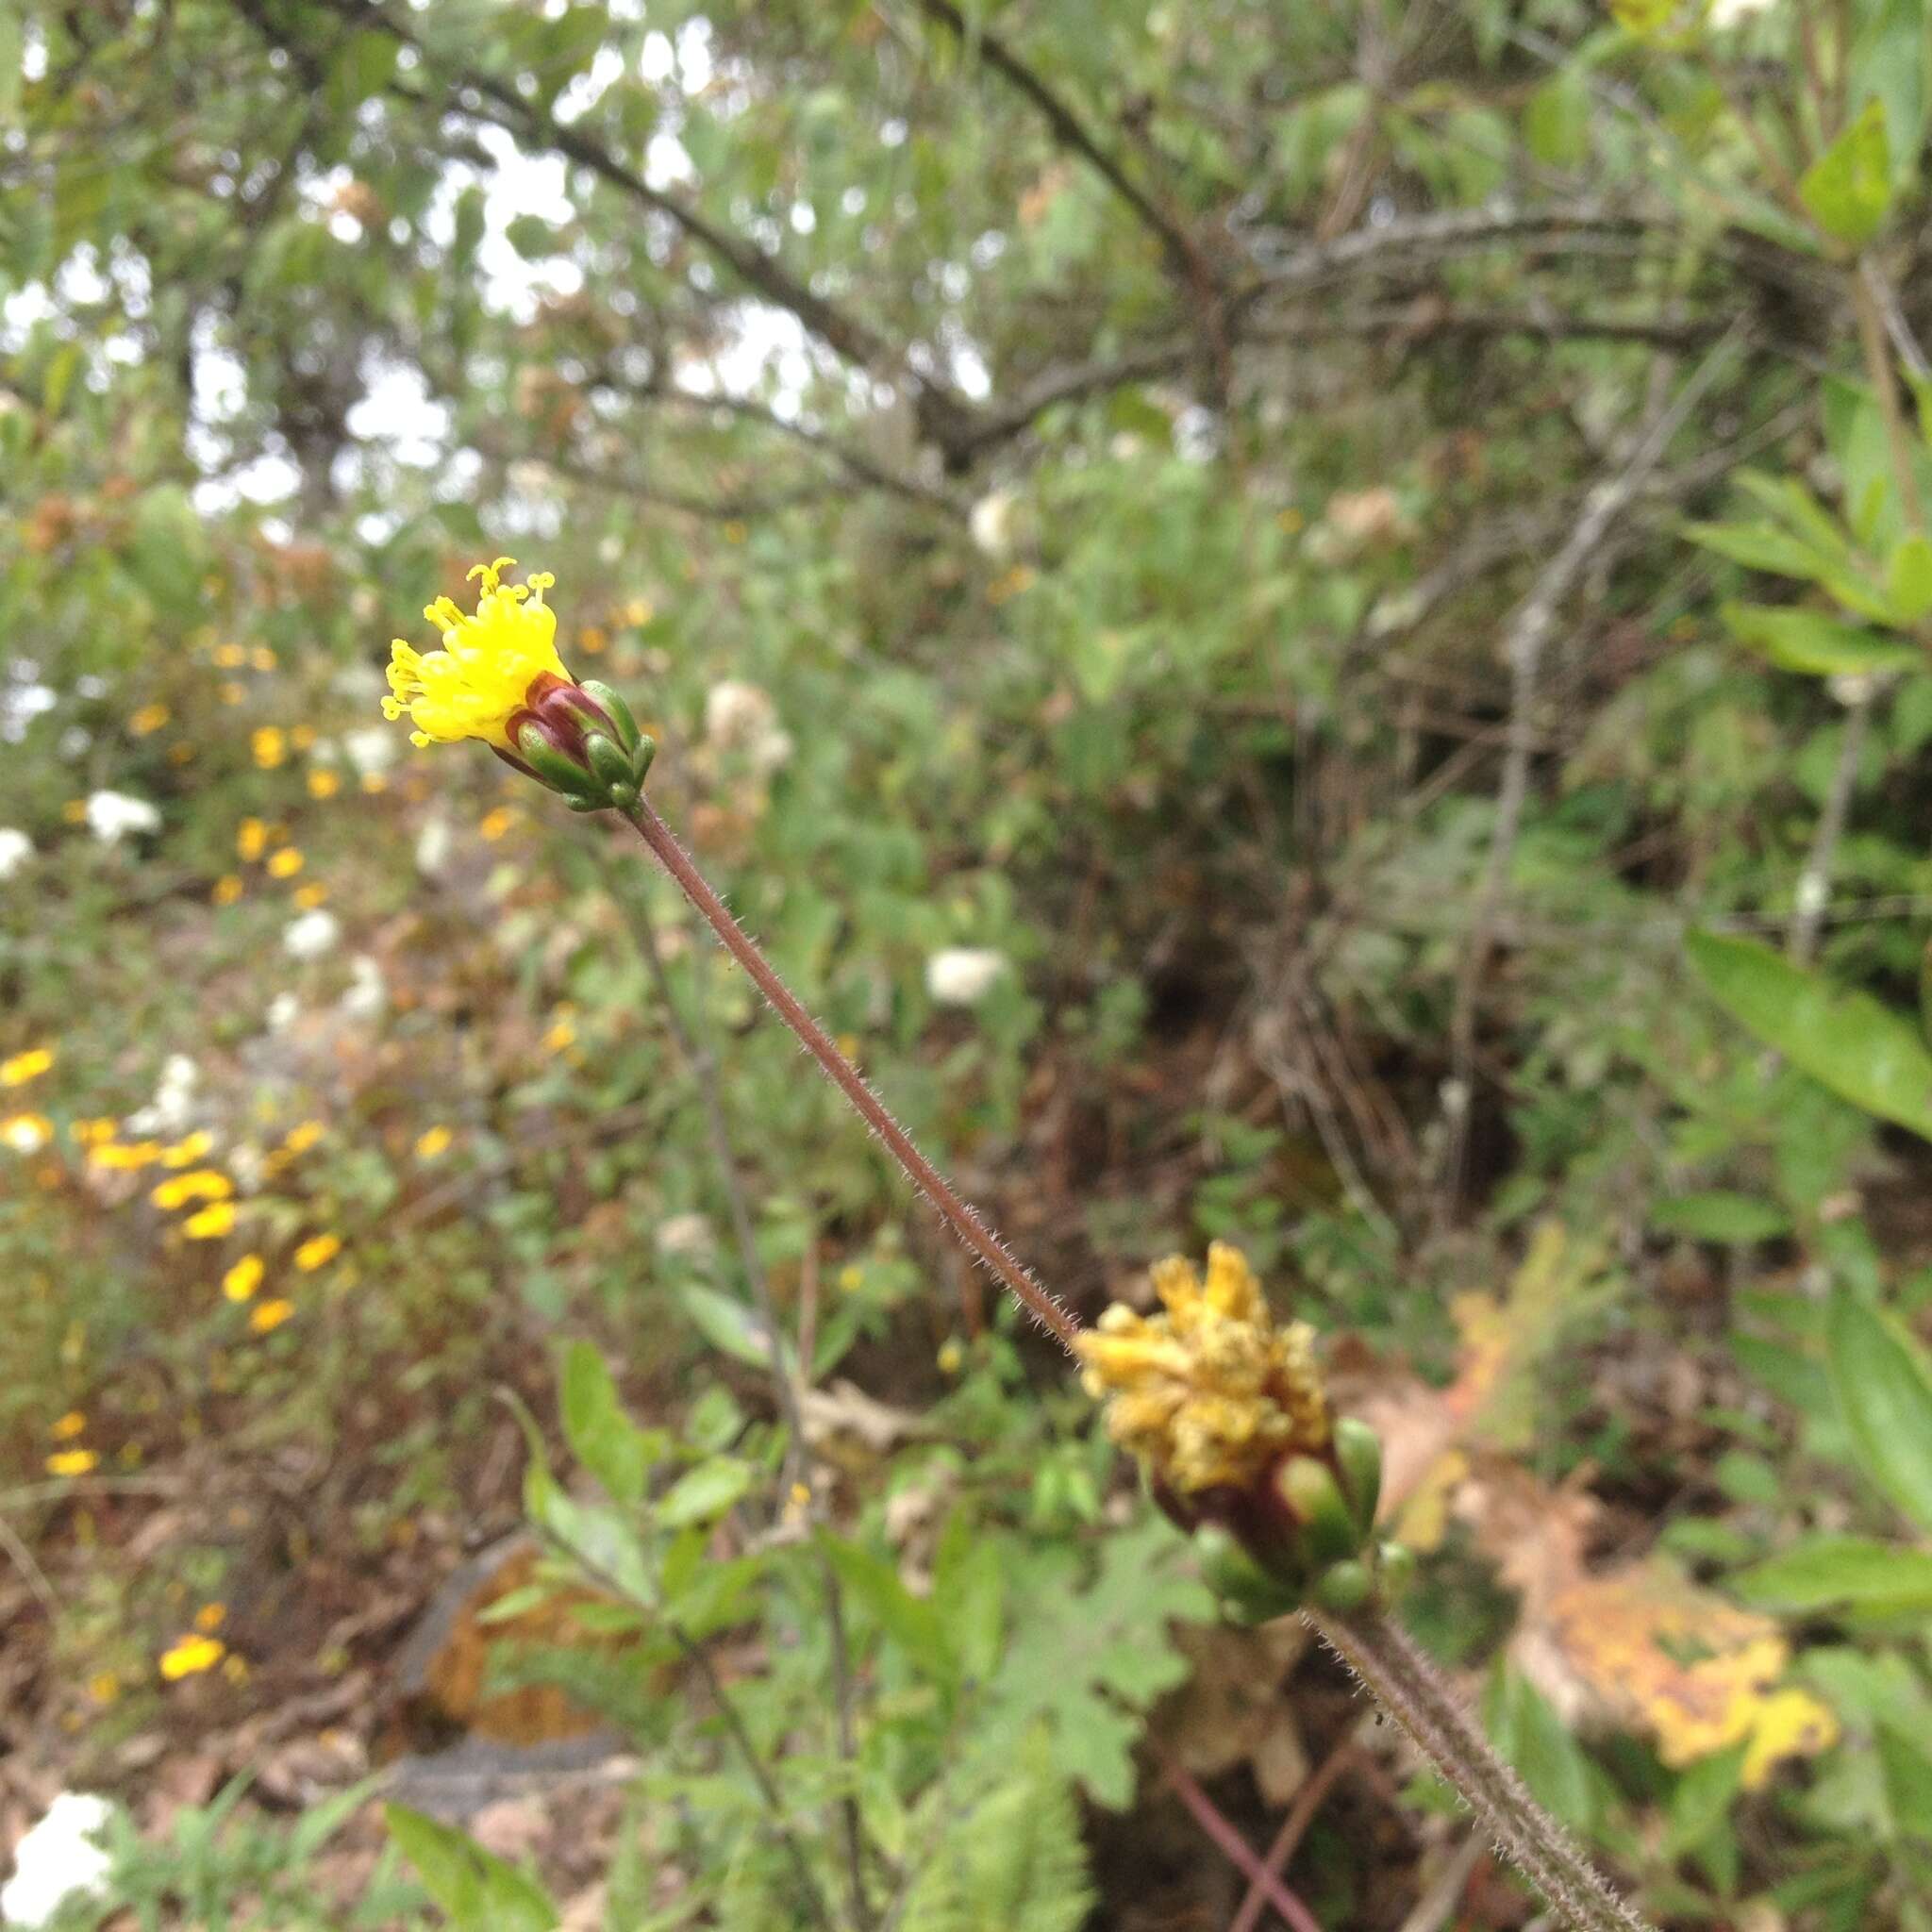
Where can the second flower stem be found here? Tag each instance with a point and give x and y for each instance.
(959, 1215)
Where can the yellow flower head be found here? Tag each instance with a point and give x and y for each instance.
(189, 1656)
(26, 1066)
(71, 1461)
(1211, 1392)
(243, 1278)
(318, 1251)
(482, 676)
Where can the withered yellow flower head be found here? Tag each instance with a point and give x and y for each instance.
(1211, 1392)
(481, 677)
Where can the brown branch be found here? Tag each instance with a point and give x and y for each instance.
(1182, 250)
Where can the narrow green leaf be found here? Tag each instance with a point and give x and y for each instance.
(1884, 1387)
(912, 1623)
(1822, 646)
(704, 1493)
(1847, 1042)
(1908, 579)
(1825, 1570)
(1732, 1219)
(1848, 188)
(732, 1327)
(475, 1889)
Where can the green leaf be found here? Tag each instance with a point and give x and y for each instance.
(1908, 579)
(1702, 1800)
(476, 1890)
(1847, 1042)
(1733, 1218)
(1532, 1737)
(1848, 188)
(732, 1327)
(1907, 1781)
(1826, 1569)
(601, 1436)
(1822, 646)
(910, 1622)
(704, 1493)
(1884, 1387)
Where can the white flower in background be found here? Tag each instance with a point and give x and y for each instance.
(111, 815)
(991, 522)
(684, 1234)
(312, 935)
(963, 976)
(75, 742)
(58, 1857)
(740, 717)
(433, 844)
(24, 1133)
(372, 750)
(367, 997)
(92, 686)
(283, 1011)
(20, 704)
(1724, 13)
(173, 1106)
(16, 848)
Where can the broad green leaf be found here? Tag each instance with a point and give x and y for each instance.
(1822, 646)
(704, 1493)
(1848, 188)
(1884, 1387)
(1848, 1041)
(1761, 546)
(1907, 1781)
(1826, 1569)
(1533, 1739)
(475, 1889)
(601, 1436)
(1556, 124)
(1733, 1218)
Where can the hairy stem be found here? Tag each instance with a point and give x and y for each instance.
(1395, 1671)
(964, 1219)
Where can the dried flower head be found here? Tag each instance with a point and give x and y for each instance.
(1210, 1393)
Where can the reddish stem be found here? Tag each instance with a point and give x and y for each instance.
(960, 1216)
(1239, 1852)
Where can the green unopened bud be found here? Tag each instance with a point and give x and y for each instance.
(1345, 1586)
(1358, 1451)
(1326, 1531)
(1246, 1591)
(556, 769)
(607, 758)
(614, 708)
(1394, 1568)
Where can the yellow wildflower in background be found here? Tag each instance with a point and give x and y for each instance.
(229, 656)
(90, 1133)
(71, 1462)
(318, 1251)
(286, 863)
(482, 676)
(261, 658)
(148, 720)
(103, 1687)
(185, 1153)
(189, 1656)
(243, 1278)
(204, 1184)
(68, 1426)
(493, 825)
(251, 841)
(271, 1315)
(210, 1617)
(432, 1143)
(113, 1156)
(307, 898)
(562, 1034)
(323, 783)
(26, 1066)
(1211, 1392)
(211, 1223)
(269, 745)
(228, 889)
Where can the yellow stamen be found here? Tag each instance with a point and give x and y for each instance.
(482, 676)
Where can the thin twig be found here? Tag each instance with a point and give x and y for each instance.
(1433, 1909)
(1239, 1853)
(22, 1558)
(702, 1066)
(1301, 1814)
(1815, 882)
(1524, 643)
